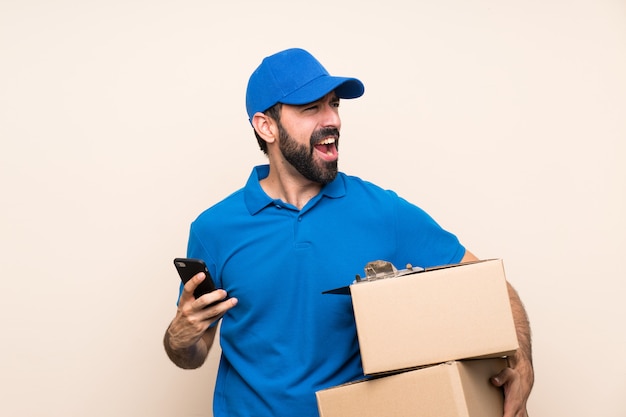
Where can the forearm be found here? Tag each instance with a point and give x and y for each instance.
(188, 357)
(522, 359)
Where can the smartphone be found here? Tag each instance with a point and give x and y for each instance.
(188, 267)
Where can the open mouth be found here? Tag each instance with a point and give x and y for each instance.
(327, 148)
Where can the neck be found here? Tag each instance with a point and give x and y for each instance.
(290, 187)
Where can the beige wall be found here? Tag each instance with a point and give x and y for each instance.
(121, 120)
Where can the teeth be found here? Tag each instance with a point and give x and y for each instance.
(327, 141)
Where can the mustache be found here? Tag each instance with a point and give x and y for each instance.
(324, 133)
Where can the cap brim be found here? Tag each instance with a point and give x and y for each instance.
(344, 88)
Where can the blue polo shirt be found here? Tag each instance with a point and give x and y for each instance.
(285, 339)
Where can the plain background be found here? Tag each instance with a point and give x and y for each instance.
(120, 121)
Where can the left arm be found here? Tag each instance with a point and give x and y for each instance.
(518, 379)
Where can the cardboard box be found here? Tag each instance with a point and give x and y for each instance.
(443, 314)
(451, 389)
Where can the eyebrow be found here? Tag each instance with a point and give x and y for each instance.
(333, 98)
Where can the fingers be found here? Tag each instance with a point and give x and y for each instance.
(193, 317)
(506, 375)
(214, 303)
(514, 399)
(210, 298)
(191, 285)
(209, 307)
(187, 297)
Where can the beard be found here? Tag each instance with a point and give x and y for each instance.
(301, 156)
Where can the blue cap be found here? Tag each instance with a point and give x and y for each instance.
(295, 77)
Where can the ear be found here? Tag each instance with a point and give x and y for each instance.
(264, 126)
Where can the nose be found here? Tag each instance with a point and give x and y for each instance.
(330, 116)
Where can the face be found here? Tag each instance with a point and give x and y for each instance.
(309, 138)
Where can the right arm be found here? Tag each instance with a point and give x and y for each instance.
(190, 335)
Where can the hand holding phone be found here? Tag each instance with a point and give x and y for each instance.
(187, 268)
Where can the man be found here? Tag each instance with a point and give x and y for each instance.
(297, 228)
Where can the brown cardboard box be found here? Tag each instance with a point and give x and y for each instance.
(451, 389)
(443, 314)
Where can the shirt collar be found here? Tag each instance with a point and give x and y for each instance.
(256, 199)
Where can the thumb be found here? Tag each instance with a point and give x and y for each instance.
(501, 378)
